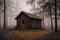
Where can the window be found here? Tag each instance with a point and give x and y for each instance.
(22, 21)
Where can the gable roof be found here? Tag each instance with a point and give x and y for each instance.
(29, 15)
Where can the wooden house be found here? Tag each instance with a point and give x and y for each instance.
(28, 21)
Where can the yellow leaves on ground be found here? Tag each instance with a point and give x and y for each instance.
(31, 34)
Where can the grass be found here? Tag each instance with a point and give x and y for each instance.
(4, 31)
(31, 30)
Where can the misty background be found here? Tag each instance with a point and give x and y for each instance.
(14, 7)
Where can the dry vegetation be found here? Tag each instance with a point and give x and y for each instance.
(31, 35)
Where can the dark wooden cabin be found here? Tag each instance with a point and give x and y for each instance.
(28, 21)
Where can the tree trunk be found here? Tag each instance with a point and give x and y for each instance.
(4, 14)
(43, 20)
(51, 18)
(55, 15)
(51, 22)
(0, 20)
(34, 7)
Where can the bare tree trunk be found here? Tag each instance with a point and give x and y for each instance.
(43, 20)
(4, 14)
(55, 15)
(51, 18)
(34, 7)
(0, 20)
(51, 22)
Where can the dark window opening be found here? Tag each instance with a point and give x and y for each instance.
(22, 21)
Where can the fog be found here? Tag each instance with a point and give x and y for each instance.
(13, 8)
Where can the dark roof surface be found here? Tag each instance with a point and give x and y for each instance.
(30, 15)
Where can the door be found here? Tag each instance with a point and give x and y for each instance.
(23, 25)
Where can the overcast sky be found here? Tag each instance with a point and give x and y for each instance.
(22, 4)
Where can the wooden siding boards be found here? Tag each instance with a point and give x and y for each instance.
(29, 22)
(35, 23)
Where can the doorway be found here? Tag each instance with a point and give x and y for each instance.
(23, 25)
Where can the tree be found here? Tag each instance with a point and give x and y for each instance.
(51, 18)
(1, 9)
(55, 16)
(48, 8)
(56, 7)
(37, 9)
(40, 3)
(43, 20)
(55, 2)
(4, 14)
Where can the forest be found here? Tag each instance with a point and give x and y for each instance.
(47, 10)
(44, 8)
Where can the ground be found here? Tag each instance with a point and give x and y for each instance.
(29, 35)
